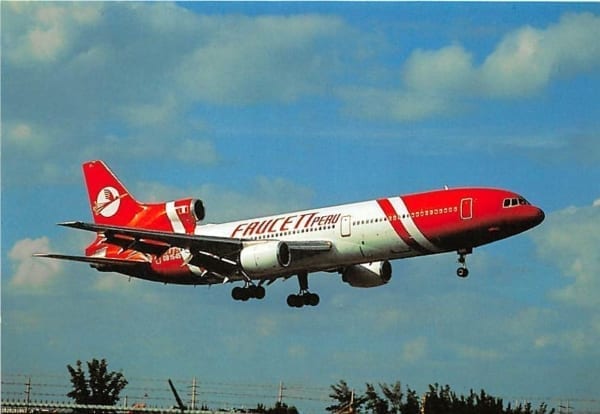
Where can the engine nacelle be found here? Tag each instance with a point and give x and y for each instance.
(261, 258)
(368, 274)
(189, 210)
(197, 209)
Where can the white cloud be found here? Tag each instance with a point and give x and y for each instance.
(524, 62)
(42, 33)
(77, 73)
(569, 239)
(245, 60)
(414, 350)
(263, 196)
(30, 272)
(447, 70)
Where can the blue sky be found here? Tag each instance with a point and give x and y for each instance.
(270, 107)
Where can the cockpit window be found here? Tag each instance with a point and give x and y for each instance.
(514, 201)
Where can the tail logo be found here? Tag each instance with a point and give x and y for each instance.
(107, 202)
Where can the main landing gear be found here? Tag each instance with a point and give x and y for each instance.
(249, 291)
(462, 271)
(304, 297)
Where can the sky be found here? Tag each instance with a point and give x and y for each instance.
(262, 108)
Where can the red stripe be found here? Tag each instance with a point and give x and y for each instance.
(395, 220)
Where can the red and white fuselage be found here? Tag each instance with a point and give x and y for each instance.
(166, 242)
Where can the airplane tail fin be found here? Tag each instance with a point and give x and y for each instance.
(110, 201)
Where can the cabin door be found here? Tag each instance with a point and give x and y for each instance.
(346, 227)
(466, 208)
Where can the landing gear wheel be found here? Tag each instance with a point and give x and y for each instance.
(248, 292)
(462, 271)
(304, 297)
(260, 292)
(237, 293)
(312, 299)
(295, 301)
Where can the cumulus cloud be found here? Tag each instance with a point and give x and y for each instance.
(247, 60)
(527, 59)
(29, 272)
(39, 35)
(569, 239)
(262, 196)
(446, 70)
(105, 78)
(439, 82)
(414, 350)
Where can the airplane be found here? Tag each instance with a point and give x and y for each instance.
(168, 242)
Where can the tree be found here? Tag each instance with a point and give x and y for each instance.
(394, 396)
(101, 388)
(347, 401)
(412, 404)
(374, 402)
(280, 408)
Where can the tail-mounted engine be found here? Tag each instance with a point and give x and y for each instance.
(180, 216)
(368, 274)
(198, 210)
(260, 258)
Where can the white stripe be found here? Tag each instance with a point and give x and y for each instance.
(174, 217)
(410, 225)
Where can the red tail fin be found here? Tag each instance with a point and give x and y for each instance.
(110, 201)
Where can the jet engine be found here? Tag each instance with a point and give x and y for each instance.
(189, 209)
(368, 275)
(261, 258)
(198, 210)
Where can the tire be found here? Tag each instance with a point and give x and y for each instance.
(237, 293)
(313, 299)
(462, 272)
(259, 292)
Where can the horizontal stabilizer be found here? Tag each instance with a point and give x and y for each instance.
(91, 259)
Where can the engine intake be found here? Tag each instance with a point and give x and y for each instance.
(368, 275)
(263, 258)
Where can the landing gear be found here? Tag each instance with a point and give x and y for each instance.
(248, 292)
(304, 297)
(462, 271)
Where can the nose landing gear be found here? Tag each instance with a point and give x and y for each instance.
(462, 271)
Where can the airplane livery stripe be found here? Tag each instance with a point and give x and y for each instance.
(176, 222)
(411, 227)
(395, 220)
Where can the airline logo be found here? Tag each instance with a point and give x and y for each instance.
(284, 223)
(107, 202)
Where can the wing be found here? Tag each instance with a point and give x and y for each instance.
(219, 254)
(158, 242)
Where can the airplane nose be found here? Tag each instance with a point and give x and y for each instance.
(538, 216)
